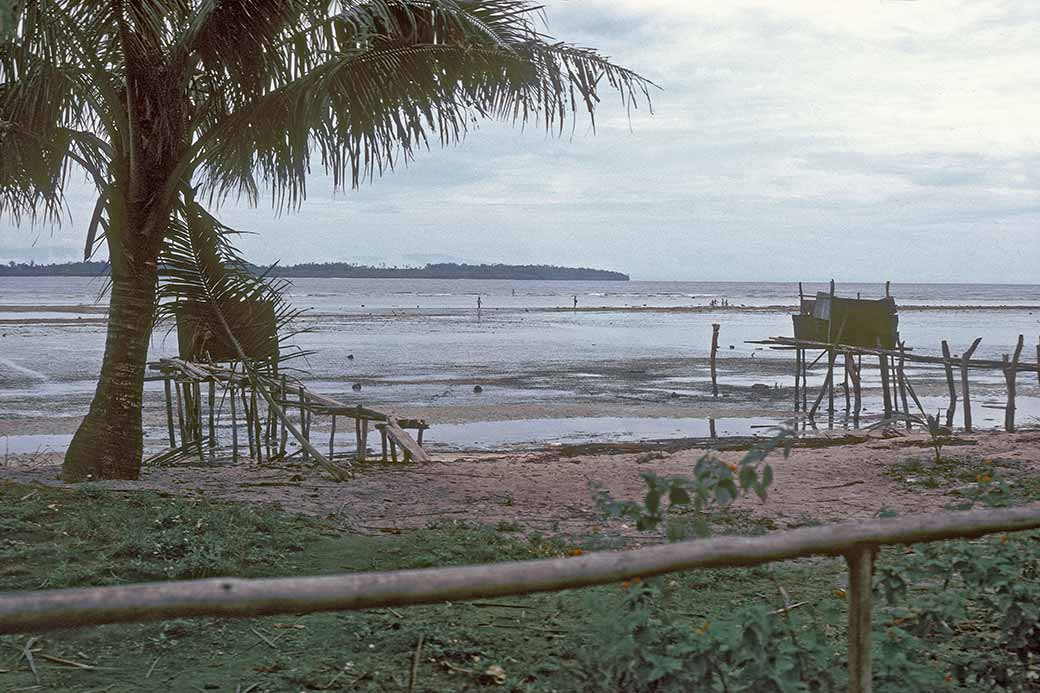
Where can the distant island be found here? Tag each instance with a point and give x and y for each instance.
(441, 270)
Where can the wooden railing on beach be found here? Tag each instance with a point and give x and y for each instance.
(895, 384)
(267, 436)
(232, 597)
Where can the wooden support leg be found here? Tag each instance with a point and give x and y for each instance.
(234, 425)
(303, 421)
(357, 440)
(948, 365)
(901, 378)
(419, 436)
(363, 450)
(247, 414)
(255, 411)
(886, 397)
(714, 353)
(965, 395)
(831, 356)
(332, 439)
(857, 391)
(1010, 374)
(169, 411)
(212, 420)
(826, 385)
(860, 562)
(797, 377)
(180, 413)
(848, 393)
(382, 437)
(393, 450)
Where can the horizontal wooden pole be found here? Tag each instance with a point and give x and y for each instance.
(232, 597)
(982, 364)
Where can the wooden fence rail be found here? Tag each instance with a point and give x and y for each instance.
(233, 597)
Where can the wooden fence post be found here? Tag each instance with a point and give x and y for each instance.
(1010, 374)
(965, 396)
(952, 409)
(212, 420)
(714, 353)
(860, 561)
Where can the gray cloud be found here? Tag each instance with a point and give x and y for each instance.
(800, 140)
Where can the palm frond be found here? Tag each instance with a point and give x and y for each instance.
(215, 297)
(364, 111)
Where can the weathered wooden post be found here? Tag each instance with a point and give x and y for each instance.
(169, 410)
(303, 421)
(714, 353)
(234, 419)
(332, 438)
(848, 394)
(860, 561)
(886, 398)
(247, 415)
(212, 419)
(255, 410)
(901, 377)
(831, 355)
(947, 363)
(180, 412)
(965, 395)
(797, 377)
(1010, 375)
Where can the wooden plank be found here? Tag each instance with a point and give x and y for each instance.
(399, 436)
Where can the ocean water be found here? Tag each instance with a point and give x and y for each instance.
(423, 342)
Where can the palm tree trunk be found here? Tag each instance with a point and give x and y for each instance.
(109, 442)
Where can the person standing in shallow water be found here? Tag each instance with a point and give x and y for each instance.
(575, 303)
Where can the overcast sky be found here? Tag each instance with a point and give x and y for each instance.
(797, 140)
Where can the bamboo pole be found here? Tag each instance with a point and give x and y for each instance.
(234, 424)
(255, 411)
(248, 415)
(33, 611)
(303, 421)
(883, 367)
(714, 353)
(169, 410)
(212, 419)
(848, 394)
(860, 561)
(180, 412)
(948, 365)
(965, 395)
(797, 377)
(901, 378)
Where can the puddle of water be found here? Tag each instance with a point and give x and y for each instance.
(498, 434)
(20, 445)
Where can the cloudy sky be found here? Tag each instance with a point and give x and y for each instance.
(807, 139)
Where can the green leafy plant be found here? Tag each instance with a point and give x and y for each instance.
(715, 484)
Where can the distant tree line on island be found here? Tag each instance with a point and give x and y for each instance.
(441, 270)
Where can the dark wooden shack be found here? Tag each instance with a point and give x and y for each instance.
(852, 321)
(201, 338)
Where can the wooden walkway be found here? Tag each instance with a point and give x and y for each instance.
(263, 431)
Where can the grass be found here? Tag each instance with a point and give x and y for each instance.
(89, 536)
(957, 474)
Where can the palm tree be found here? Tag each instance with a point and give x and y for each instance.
(166, 102)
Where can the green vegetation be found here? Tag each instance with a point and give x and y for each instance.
(951, 616)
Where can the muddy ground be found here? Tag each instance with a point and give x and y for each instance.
(548, 489)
